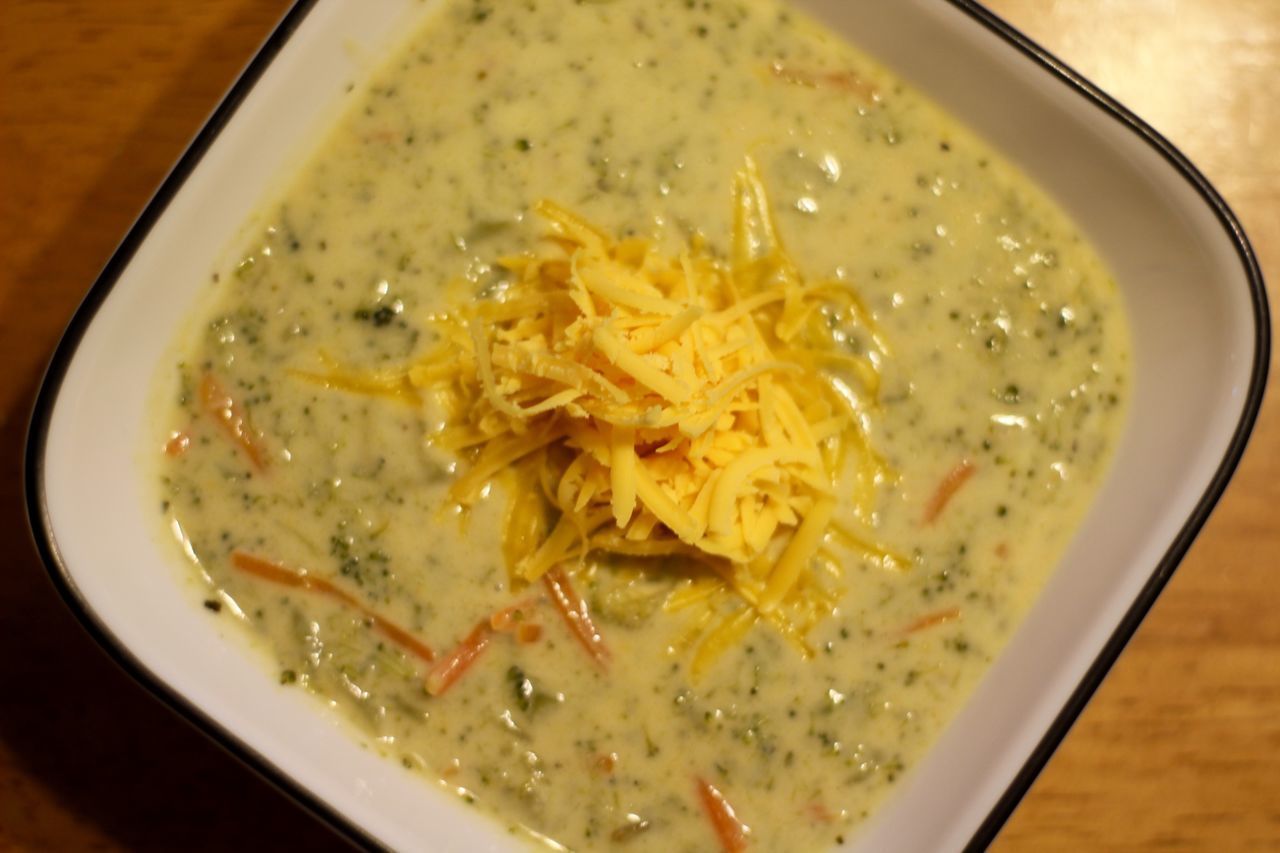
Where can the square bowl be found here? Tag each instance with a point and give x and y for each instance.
(1189, 279)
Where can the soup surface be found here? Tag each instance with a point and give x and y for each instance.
(1001, 392)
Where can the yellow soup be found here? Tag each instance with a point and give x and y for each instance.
(454, 439)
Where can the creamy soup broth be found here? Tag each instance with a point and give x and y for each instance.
(1008, 352)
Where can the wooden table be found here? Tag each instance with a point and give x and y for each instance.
(1180, 749)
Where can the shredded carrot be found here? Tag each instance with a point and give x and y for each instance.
(230, 415)
(512, 619)
(528, 633)
(1002, 550)
(731, 831)
(454, 665)
(576, 615)
(509, 619)
(276, 573)
(178, 444)
(818, 812)
(842, 81)
(931, 619)
(398, 635)
(947, 489)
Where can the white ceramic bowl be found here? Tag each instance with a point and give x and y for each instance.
(1200, 332)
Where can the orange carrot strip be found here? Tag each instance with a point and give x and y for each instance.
(731, 831)
(230, 415)
(930, 619)
(528, 633)
(178, 444)
(841, 81)
(509, 619)
(276, 573)
(399, 635)
(454, 665)
(818, 812)
(576, 615)
(947, 489)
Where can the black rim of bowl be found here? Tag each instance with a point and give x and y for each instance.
(38, 517)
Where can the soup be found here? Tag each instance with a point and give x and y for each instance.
(926, 359)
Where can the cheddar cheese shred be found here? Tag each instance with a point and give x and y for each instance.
(690, 411)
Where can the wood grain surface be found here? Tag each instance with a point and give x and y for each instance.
(1179, 750)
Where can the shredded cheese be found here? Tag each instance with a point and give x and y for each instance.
(674, 407)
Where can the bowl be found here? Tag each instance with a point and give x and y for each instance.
(1188, 276)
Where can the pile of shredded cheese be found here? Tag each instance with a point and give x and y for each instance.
(683, 406)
